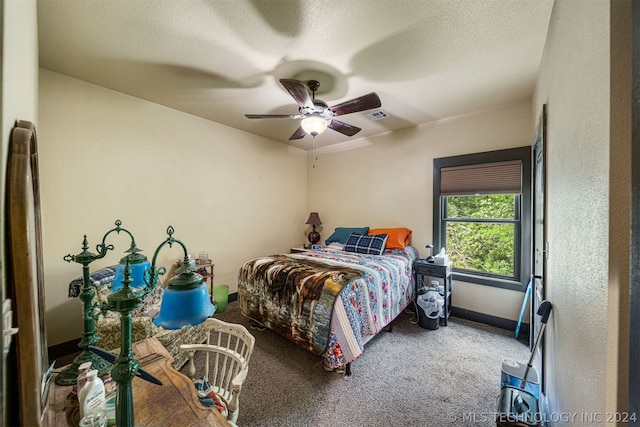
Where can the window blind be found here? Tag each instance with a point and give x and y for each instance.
(485, 178)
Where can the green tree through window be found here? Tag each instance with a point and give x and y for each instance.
(480, 232)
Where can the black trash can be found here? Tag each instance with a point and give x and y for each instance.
(429, 304)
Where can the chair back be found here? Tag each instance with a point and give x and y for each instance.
(224, 360)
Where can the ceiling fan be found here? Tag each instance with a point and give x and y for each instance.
(316, 114)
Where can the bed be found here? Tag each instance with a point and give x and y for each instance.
(331, 301)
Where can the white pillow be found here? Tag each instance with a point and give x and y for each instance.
(335, 246)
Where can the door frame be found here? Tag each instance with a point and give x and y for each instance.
(634, 285)
(539, 238)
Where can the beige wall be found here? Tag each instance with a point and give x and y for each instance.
(19, 79)
(108, 156)
(387, 182)
(574, 82)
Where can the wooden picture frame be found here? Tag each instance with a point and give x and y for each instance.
(28, 354)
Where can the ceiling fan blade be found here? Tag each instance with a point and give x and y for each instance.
(298, 134)
(298, 91)
(344, 128)
(365, 102)
(274, 116)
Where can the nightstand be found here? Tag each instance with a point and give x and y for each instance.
(429, 269)
(298, 249)
(205, 269)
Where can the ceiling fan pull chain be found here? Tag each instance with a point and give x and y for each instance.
(315, 151)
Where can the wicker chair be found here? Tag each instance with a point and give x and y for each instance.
(226, 357)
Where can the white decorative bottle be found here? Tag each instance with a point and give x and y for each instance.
(92, 395)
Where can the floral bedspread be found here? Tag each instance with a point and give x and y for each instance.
(366, 302)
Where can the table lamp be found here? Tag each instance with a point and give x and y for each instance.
(314, 221)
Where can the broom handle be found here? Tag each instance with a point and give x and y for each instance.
(544, 310)
(530, 364)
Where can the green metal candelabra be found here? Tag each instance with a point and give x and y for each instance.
(89, 336)
(124, 301)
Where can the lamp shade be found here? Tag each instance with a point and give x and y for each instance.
(314, 219)
(186, 300)
(314, 125)
(139, 264)
(184, 307)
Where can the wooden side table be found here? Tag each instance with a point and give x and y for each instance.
(205, 269)
(298, 249)
(174, 403)
(301, 248)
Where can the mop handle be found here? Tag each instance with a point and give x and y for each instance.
(544, 310)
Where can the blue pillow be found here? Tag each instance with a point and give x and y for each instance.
(366, 244)
(341, 234)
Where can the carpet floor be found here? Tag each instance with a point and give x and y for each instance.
(410, 377)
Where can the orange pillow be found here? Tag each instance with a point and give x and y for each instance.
(398, 238)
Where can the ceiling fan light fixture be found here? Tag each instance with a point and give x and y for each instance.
(314, 125)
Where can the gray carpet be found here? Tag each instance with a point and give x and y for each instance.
(412, 376)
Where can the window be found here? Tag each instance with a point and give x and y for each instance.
(482, 216)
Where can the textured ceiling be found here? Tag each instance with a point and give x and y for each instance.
(219, 59)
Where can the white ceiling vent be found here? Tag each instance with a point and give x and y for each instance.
(378, 115)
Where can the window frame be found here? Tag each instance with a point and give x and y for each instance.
(522, 238)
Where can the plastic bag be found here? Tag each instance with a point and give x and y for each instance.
(431, 302)
(430, 305)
